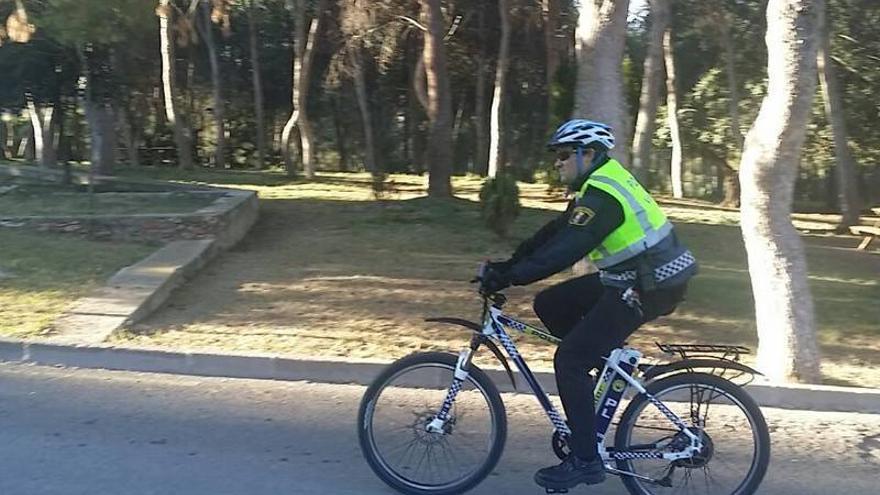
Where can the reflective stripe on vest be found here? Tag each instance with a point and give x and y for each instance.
(644, 224)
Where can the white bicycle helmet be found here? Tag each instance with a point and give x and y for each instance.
(580, 133)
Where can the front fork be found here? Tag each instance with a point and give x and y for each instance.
(461, 374)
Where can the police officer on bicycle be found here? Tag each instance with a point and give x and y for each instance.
(643, 274)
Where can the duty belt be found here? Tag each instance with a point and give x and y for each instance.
(664, 272)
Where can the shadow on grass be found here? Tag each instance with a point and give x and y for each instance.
(366, 273)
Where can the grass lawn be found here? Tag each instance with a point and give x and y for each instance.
(328, 271)
(42, 274)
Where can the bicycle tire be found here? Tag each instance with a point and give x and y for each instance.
(399, 481)
(737, 397)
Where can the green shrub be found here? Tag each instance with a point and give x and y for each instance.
(499, 203)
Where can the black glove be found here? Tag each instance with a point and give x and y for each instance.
(494, 281)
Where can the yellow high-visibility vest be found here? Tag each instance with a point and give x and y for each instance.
(644, 223)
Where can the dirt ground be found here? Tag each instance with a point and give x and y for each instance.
(319, 277)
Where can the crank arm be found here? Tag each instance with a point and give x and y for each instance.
(662, 482)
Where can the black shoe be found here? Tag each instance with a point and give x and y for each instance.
(572, 472)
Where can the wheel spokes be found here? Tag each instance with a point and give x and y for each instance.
(726, 442)
(415, 457)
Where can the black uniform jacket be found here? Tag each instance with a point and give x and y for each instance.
(567, 238)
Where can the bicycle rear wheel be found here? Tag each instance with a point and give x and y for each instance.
(736, 440)
(392, 424)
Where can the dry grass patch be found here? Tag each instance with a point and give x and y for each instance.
(42, 274)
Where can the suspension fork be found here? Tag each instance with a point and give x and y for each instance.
(461, 374)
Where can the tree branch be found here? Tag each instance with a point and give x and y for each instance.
(412, 21)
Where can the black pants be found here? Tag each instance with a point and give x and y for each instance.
(591, 320)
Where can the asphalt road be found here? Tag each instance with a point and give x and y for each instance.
(76, 431)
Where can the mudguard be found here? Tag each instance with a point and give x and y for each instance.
(655, 371)
(476, 328)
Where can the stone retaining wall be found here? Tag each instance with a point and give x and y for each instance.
(227, 219)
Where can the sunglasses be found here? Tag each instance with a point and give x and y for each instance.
(564, 154)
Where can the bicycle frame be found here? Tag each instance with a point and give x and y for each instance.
(619, 365)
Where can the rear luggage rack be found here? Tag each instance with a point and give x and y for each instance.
(688, 351)
(720, 360)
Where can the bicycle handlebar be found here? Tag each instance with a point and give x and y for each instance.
(497, 298)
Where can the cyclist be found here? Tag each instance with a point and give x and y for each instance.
(643, 274)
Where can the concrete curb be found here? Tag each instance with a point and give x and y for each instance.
(132, 293)
(179, 260)
(802, 397)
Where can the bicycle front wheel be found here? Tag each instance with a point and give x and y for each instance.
(393, 417)
(736, 441)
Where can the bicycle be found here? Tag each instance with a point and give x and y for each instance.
(656, 450)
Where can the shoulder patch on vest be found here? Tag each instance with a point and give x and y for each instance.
(581, 215)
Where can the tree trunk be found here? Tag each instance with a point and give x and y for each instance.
(406, 139)
(550, 18)
(847, 190)
(459, 139)
(672, 117)
(416, 138)
(26, 148)
(101, 119)
(110, 139)
(496, 157)
(37, 126)
(303, 52)
(129, 135)
(787, 348)
(306, 138)
(651, 82)
(77, 141)
(102, 125)
(341, 147)
(730, 184)
(599, 45)
(258, 85)
(360, 85)
(156, 111)
(439, 153)
(217, 85)
(3, 137)
(278, 121)
(44, 135)
(182, 134)
(732, 82)
(299, 28)
(64, 107)
(420, 83)
(730, 181)
(481, 165)
(8, 143)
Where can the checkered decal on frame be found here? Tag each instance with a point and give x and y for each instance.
(636, 455)
(559, 423)
(450, 398)
(508, 345)
(666, 412)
